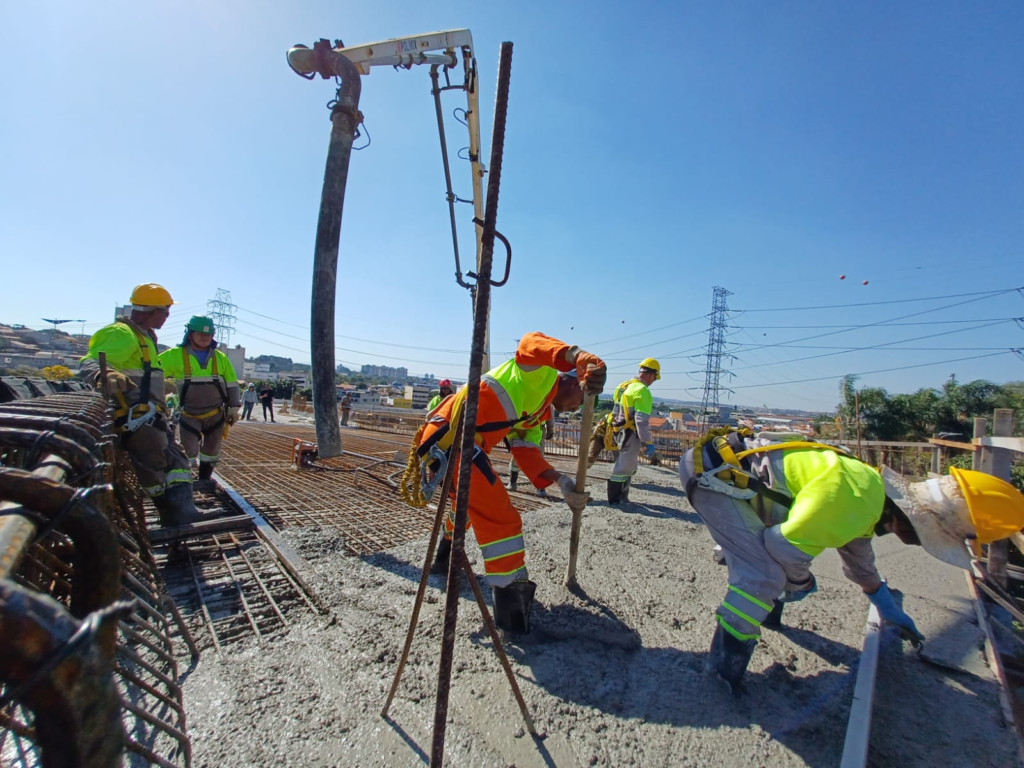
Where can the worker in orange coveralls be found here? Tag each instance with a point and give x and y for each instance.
(519, 394)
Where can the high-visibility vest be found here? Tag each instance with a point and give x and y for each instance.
(181, 364)
(840, 497)
(132, 352)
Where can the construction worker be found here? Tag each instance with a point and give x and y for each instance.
(520, 393)
(346, 408)
(444, 387)
(628, 429)
(135, 382)
(208, 392)
(774, 502)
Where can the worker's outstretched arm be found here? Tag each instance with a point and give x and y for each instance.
(859, 564)
(537, 350)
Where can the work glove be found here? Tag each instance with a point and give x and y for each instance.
(795, 596)
(892, 614)
(116, 381)
(649, 450)
(577, 502)
(232, 415)
(591, 372)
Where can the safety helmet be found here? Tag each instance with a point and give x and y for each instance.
(652, 365)
(151, 295)
(445, 383)
(200, 324)
(962, 505)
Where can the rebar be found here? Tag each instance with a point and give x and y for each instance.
(468, 445)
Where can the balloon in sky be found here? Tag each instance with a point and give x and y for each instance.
(865, 282)
(842, 277)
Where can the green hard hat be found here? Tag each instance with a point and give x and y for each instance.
(200, 324)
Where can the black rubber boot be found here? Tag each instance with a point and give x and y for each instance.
(513, 481)
(774, 620)
(729, 656)
(615, 489)
(205, 482)
(512, 606)
(160, 502)
(181, 509)
(625, 491)
(443, 555)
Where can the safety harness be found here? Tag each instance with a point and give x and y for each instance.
(731, 472)
(187, 364)
(615, 426)
(416, 486)
(128, 418)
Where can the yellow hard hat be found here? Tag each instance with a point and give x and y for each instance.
(996, 507)
(654, 365)
(151, 295)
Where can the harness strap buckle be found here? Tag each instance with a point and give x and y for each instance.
(132, 424)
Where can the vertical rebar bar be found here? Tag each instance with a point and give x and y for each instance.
(344, 120)
(467, 448)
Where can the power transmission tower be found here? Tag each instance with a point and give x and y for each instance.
(222, 311)
(713, 355)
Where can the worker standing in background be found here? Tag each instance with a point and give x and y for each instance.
(628, 428)
(267, 401)
(775, 501)
(346, 408)
(520, 393)
(135, 382)
(207, 391)
(444, 387)
(249, 400)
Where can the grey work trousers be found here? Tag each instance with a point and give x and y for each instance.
(628, 457)
(202, 438)
(158, 460)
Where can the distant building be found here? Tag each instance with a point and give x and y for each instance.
(237, 358)
(419, 394)
(385, 372)
(299, 379)
(255, 370)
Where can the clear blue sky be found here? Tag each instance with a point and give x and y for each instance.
(654, 150)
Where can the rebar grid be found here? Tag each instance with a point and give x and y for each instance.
(231, 586)
(356, 495)
(145, 669)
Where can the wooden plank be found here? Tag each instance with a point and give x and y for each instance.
(879, 444)
(952, 444)
(1009, 443)
(284, 551)
(858, 727)
(992, 654)
(206, 527)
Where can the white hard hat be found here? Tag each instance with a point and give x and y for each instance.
(938, 511)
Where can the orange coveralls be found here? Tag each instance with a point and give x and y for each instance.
(517, 393)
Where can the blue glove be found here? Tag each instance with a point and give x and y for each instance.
(649, 450)
(893, 614)
(790, 596)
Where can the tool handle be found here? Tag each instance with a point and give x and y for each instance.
(103, 375)
(581, 485)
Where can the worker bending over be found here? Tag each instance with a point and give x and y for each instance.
(774, 502)
(208, 393)
(135, 383)
(627, 429)
(545, 373)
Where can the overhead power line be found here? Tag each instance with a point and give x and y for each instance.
(879, 303)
